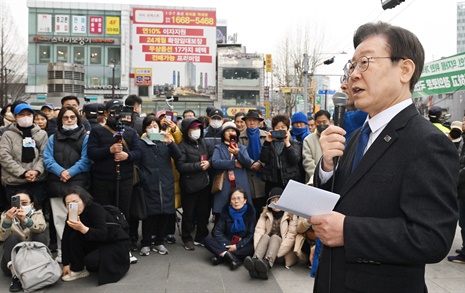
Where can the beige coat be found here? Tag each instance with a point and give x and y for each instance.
(38, 226)
(302, 227)
(10, 155)
(288, 233)
(311, 154)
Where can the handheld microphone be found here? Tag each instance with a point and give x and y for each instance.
(340, 101)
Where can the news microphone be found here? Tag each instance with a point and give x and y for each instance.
(340, 101)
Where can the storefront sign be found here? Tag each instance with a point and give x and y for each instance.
(73, 40)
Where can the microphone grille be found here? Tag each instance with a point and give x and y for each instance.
(340, 99)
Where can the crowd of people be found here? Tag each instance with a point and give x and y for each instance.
(229, 170)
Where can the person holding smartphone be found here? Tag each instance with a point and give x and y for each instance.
(281, 156)
(22, 222)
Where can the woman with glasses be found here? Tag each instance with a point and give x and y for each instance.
(66, 160)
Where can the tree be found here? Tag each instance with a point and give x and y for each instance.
(289, 64)
(13, 59)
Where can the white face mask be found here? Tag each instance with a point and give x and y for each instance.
(27, 209)
(71, 127)
(152, 130)
(25, 121)
(195, 134)
(216, 123)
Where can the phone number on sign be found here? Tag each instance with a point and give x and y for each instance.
(197, 20)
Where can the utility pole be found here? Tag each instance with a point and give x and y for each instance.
(305, 72)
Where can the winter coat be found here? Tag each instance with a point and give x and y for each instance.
(114, 256)
(67, 151)
(10, 155)
(37, 227)
(257, 186)
(300, 238)
(193, 177)
(289, 164)
(222, 230)
(156, 175)
(311, 154)
(98, 150)
(222, 162)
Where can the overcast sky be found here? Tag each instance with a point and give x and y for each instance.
(262, 25)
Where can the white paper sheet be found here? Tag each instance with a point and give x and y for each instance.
(306, 201)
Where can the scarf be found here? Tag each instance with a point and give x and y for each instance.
(27, 154)
(255, 145)
(300, 133)
(277, 215)
(238, 224)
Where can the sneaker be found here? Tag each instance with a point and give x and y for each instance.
(460, 258)
(170, 239)
(75, 275)
(144, 251)
(133, 246)
(189, 245)
(132, 259)
(15, 285)
(160, 249)
(198, 244)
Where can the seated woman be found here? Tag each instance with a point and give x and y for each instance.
(90, 242)
(18, 225)
(274, 238)
(233, 234)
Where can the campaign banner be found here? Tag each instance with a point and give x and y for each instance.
(442, 76)
(179, 45)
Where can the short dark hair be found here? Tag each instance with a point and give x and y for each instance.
(131, 100)
(239, 114)
(188, 111)
(40, 113)
(62, 113)
(85, 196)
(148, 120)
(321, 113)
(281, 118)
(64, 99)
(240, 189)
(311, 118)
(401, 44)
(25, 191)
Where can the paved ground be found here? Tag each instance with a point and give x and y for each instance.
(191, 271)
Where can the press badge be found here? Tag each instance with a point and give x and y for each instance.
(28, 142)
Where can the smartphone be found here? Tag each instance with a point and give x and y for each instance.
(280, 134)
(175, 119)
(203, 157)
(73, 211)
(233, 140)
(156, 136)
(15, 202)
(169, 115)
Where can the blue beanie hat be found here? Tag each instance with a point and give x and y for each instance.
(299, 117)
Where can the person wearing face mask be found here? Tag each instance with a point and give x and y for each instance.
(212, 133)
(66, 160)
(25, 223)
(136, 121)
(157, 181)
(21, 154)
(195, 161)
(311, 152)
(299, 129)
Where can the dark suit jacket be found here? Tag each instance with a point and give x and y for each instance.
(400, 206)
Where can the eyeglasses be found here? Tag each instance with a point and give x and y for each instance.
(364, 61)
(72, 117)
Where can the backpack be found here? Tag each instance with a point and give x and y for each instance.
(117, 225)
(34, 266)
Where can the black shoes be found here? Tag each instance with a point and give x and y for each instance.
(216, 260)
(262, 266)
(249, 264)
(15, 285)
(233, 261)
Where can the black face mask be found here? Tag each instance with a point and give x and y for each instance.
(455, 133)
(321, 128)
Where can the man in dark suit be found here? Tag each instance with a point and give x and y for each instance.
(398, 207)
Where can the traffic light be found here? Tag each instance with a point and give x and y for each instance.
(329, 61)
(387, 4)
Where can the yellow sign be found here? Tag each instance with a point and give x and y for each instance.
(269, 63)
(267, 107)
(112, 25)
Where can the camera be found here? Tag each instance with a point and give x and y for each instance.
(122, 115)
(278, 134)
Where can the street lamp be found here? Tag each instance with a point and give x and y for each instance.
(4, 74)
(113, 67)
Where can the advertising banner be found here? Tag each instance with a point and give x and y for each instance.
(79, 24)
(44, 23)
(180, 46)
(143, 76)
(61, 23)
(442, 76)
(269, 63)
(96, 25)
(113, 25)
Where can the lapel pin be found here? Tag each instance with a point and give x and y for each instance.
(387, 138)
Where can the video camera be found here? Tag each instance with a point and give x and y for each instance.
(121, 114)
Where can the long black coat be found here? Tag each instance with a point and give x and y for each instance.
(400, 205)
(156, 174)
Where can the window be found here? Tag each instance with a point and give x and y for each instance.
(143, 91)
(78, 55)
(240, 98)
(241, 73)
(62, 54)
(95, 55)
(44, 54)
(115, 54)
